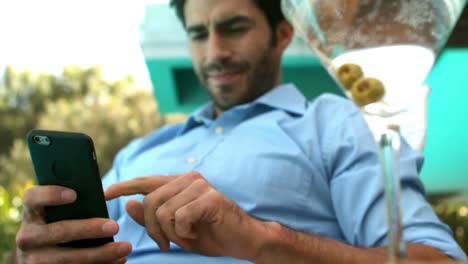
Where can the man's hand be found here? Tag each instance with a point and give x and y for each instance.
(37, 241)
(188, 211)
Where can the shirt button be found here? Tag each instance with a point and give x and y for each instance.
(191, 160)
(219, 130)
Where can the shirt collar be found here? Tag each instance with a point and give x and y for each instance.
(285, 97)
(202, 116)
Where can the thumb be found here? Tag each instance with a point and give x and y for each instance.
(136, 211)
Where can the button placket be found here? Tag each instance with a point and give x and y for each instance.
(219, 130)
(191, 160)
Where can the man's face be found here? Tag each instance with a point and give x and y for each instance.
(232, 51)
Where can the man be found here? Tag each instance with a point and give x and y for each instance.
(258, 175)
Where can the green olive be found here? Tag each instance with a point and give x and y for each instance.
(348, 73)
(367, 90)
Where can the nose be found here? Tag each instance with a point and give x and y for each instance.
(218, 48)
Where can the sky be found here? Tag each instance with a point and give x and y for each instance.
(49, 34)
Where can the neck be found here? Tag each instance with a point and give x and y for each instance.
(218, 112)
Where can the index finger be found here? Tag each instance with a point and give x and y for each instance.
(141, 185)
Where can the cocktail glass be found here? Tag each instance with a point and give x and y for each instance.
(379, 52)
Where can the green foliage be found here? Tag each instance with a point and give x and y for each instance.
(454, 212)
(112, 113)
(10, 215)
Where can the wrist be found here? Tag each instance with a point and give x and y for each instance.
(264, 239)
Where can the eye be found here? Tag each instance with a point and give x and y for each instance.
(199, 36)
(237, 29)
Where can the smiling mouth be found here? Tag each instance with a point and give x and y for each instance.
(224, 77)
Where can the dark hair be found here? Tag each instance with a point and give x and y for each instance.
(271, 9)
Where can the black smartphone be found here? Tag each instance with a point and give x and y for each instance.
(68, 159)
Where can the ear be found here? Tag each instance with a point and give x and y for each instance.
(284, 35)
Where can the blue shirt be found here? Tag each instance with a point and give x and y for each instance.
(311, 166)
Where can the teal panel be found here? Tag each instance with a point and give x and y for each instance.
(175, 85)
(162, 78)
(446, 149)
(309, 76)
(190, 92)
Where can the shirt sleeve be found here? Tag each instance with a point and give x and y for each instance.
(111, 177)
(356, 186)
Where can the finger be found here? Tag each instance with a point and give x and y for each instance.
(151, 223)
(38, 197)
(167, 212)
(34, 236)
(107, 253)
(141, 185)
(155, 213)
(204, 209)
(136, 210)
(121, 261)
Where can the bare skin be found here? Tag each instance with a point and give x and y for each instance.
(234, 58)
(187, 210)
(37, 241)
(184, 209)
(233, 53)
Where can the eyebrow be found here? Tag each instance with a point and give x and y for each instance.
(233, 21)
(221, 24)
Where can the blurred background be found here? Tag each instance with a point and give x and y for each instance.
(68, 65)
(119, 69)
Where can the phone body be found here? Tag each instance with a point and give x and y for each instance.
(68, 159)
